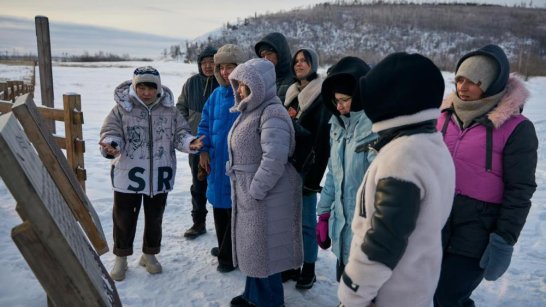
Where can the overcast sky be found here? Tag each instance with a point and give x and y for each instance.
(175, 18)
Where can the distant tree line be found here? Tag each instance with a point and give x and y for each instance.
(443, 32)
(99, 56)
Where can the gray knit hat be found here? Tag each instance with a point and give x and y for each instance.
(147, 74)
(227, 54)
(479, 69)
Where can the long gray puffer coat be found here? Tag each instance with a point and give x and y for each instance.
(265, 187)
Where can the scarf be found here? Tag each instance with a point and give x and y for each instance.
(468, 111)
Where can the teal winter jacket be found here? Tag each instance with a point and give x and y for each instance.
(349, 160)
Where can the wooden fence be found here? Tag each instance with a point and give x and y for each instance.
(73, 141)
(9, 90)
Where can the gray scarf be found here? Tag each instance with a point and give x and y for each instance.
(467, 111)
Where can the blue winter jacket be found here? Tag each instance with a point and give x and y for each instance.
(346, 168)
(216, 121)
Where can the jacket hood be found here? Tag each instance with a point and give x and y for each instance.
(511, 103)
(497, 54)
(259, 76)
(125, 96)
(279, 43)
(314, 58)
(347, 72)
(209, 51)
(227, 54)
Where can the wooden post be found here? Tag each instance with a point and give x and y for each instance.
(11, 91)
(3, 91)
(75, 145)
(44, 58)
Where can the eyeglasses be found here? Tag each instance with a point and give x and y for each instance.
(343, 100)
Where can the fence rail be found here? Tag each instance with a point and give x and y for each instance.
(73, 141)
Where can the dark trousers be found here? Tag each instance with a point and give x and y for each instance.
(265, 292)
(222, 223)
(125, 217)
(460, 275)
(340, 266)
(198, 192)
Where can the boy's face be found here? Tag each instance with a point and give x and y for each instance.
(147, 94)
(270, 56)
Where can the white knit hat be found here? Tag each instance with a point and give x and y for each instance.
(479, 69)
(147, 74)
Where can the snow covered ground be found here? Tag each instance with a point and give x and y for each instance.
(190, 277)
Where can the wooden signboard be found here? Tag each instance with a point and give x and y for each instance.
(50, 153)
(50, 239)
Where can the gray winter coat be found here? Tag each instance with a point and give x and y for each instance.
(266, 188)
(146, 137)
(195, 92)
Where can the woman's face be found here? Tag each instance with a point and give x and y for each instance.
(468, 90)
(242, 90)
(343, 103)
(225, 71)
(301, 67)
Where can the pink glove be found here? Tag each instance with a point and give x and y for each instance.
(322, 231)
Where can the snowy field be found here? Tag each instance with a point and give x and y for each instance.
(190, 277)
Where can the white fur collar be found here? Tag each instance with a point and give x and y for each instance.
(403, 120)
(306, 96)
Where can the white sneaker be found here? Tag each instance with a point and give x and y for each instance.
(150, 263)
(119, 269)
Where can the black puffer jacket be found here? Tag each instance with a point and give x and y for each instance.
(285, 77)
(196, 91)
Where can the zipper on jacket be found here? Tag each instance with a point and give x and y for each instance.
(150, 151)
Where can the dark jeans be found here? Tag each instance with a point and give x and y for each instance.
(198, 192)
(125, 217)
(340, 266)
(459, 276)
(222, 223)
(265, 292)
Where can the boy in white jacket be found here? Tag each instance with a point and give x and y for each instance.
(140, 134)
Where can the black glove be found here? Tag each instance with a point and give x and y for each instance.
(496, 258)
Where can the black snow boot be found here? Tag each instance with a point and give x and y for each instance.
(307, 277)
(292, 274)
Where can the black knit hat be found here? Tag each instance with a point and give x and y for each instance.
(343, 78)
(401, 84)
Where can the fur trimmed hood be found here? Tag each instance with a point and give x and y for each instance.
(259, 76)
(125, 95)
(510, 104)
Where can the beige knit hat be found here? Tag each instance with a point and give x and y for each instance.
(227, 54)
(479, 69)
(147, 74)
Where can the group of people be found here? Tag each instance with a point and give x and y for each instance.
(423, 197)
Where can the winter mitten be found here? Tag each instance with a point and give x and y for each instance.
(496, 258)
(321, 231)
